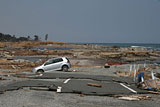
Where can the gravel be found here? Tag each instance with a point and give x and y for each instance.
(31, 98)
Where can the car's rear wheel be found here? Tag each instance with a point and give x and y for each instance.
(65, 68)
(40, 71)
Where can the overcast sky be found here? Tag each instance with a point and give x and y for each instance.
(102, 21)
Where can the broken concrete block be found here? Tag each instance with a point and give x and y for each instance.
(52, 88)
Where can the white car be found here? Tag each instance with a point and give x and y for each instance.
(61, 63)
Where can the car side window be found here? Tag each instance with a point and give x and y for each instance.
(58, 60)
(53, 61)
(49, 62)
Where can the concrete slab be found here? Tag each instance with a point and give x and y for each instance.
(108, 88)
(75, 86)
(28, 83)
(84, 76)
(78, 83)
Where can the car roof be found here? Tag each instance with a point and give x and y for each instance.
(58, 57)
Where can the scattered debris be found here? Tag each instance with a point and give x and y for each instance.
(149, 85)
(157, 75)
(154, 92)
(106, 65)
(1, 78)
(122, 74)
(116, 63)
(20, 75)
(80, 95)
(27, 90)
(129, 98)
(74, 70)
(2, 92)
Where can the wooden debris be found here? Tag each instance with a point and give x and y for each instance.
(153, 92)
(2, 92)
(80, 95)
(94, 85)
(122, 74)
(26, 90)
(150, 85)
(129, 98)
(20, 76)
(132, 97)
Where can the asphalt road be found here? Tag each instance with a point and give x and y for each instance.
(78, 83)
(64, 75)
(74, 91)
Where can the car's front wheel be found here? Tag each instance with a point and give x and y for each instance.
(40, 71)
(65, 68)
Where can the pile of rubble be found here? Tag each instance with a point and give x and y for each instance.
(130, 56)
(19, 65)
(35, 48)
(37, 52)
(144, 77)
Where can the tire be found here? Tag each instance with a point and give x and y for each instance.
(65, 68)
(40, 71)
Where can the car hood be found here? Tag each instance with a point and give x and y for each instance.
(38, 67)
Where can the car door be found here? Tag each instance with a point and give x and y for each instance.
(53, 64)
(49, 65)
(57, 63)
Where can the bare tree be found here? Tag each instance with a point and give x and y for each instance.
(36, 38)
(46, 37)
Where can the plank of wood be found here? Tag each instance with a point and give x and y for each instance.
(94, 85)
